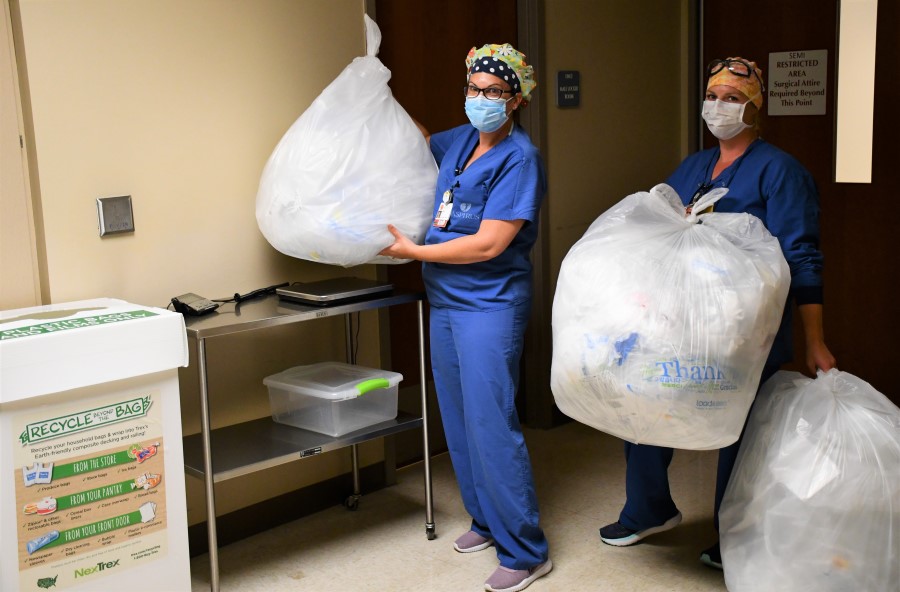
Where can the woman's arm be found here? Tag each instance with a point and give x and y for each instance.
(817, 353)
(492, 238)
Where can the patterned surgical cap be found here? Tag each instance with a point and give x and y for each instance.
(504, 62)
(751, 86)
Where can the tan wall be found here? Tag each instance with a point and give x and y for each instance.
(179, 104)
(628, 133)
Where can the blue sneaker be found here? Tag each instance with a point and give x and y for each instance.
(620, 536)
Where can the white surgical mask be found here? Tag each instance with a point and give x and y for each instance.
(724, 120)
(486, 115)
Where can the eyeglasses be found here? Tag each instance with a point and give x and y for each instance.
(491, 93)
(736, 67)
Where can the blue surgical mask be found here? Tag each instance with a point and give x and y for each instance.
(486, 115)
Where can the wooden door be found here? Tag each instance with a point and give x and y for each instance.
(859, 222)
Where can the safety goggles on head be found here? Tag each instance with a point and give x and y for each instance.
(491, 93)
(736, 67)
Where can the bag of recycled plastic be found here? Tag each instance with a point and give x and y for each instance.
(813, 503)
(353, 163)
(662, 322)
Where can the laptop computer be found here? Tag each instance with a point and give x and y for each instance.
(333, 291)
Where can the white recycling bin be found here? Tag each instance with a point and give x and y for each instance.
(92, 491)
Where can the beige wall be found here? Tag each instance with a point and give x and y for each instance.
(179, 104)
(628, 133)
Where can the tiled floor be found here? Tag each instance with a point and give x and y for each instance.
(382, 546)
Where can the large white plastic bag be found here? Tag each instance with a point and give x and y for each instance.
(353, 163)
(813, 503)
(662, 325)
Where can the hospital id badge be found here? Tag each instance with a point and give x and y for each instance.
(443, 214)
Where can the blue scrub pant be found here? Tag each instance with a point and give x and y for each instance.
(648, 500)
(475, 360)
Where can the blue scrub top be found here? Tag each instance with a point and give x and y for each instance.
(506, 183)
(773, 186)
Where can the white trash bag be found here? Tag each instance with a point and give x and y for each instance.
(353, 163)
(813, 503)
(662, 322)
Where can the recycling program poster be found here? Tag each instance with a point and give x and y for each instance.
(89, 489)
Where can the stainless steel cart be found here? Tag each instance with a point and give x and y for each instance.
(240, 449)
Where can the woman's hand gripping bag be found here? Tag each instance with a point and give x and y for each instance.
(662, 324)
(353, 163)
(813, 503)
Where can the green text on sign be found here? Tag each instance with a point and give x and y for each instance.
(66, 325)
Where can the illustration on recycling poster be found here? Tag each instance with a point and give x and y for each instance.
(90, 489)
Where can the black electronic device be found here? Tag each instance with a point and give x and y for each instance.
(333, 291)
(192, 304)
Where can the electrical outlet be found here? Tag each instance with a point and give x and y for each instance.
(115, 215)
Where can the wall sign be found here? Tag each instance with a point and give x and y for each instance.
(797, 82)
(568, 88)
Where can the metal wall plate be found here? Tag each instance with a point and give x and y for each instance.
(115, 215)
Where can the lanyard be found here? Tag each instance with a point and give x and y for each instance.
(722, 180)
(446, 206)
(460, 167)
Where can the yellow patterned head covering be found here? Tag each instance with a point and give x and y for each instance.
(731, 73)
(504, 62)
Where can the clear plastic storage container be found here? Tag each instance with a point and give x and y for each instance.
(333, 398)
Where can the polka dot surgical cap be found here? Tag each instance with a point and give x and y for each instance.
(504, 62)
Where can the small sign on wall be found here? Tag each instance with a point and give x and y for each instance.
(568, 88)
(797, 82)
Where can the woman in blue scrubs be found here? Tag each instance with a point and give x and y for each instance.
(770, 184)
(477, 273)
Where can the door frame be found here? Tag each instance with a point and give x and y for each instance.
(538, 405)
(21, 277)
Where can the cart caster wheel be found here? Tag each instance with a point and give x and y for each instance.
(352, 503)
(429, 532)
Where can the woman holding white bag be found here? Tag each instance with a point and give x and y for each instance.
(770, 184)
(477, 273)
